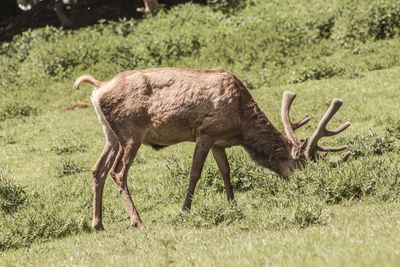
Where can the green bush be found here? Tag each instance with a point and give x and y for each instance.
(16, 110)
(46, 216)
(68, 147)
(210, 213)
(227, 6)
(371, 144)
(12, 195)
(365, 21)
(393, 128)
(317, 72)
(68, 166)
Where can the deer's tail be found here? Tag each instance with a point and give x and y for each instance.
(87, 79)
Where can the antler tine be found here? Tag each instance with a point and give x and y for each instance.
(301, 123)
(321, 130)
(289, 127)
(343, 159)
(337, 130)
(331, 148)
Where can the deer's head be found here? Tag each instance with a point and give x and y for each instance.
(303, 150)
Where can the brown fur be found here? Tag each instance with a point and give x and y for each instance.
(165, 106)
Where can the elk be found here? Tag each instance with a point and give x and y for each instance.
(164, 106)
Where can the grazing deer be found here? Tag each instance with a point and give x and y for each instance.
(164, 106)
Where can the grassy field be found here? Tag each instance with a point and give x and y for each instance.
(347, 216)
(357, 235)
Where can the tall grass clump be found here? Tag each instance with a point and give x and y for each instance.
(16, 110)
(67, 146)
(12, 195)
(69, 166)
(270, 202)
(371, 144)
(45, 214)
(267, 203)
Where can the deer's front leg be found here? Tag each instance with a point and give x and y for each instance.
(223, 166)
(201, 149)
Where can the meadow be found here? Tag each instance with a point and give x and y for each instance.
(346, 216)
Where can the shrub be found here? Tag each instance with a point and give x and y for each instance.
(261, 43)
(393, 128)
(68, 167)
(366, 178)
(16, 110)
(365, 21)
(209, 213)
(226, 6)
(318, 72)
(370, 144)
(307, 213)
(68, 147)
(176, 182)
(12, 195)
(46, 215)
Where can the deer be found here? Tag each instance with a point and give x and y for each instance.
(160, 107)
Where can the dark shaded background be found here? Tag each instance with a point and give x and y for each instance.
(14, 20)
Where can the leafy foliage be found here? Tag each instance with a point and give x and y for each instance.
(367, 21)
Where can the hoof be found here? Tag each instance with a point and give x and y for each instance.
(98, 227)
(138, 225)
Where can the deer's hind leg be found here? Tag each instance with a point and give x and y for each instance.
(99, 172)
(127, 152)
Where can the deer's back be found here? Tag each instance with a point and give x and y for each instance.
(175, 104)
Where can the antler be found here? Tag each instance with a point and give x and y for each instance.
(287, 100)
(334, 164)
(321, 131)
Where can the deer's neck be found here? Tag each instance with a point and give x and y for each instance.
(265, 144)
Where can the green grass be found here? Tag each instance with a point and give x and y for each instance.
(322, 216)
(356, 235)
(345, 216)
